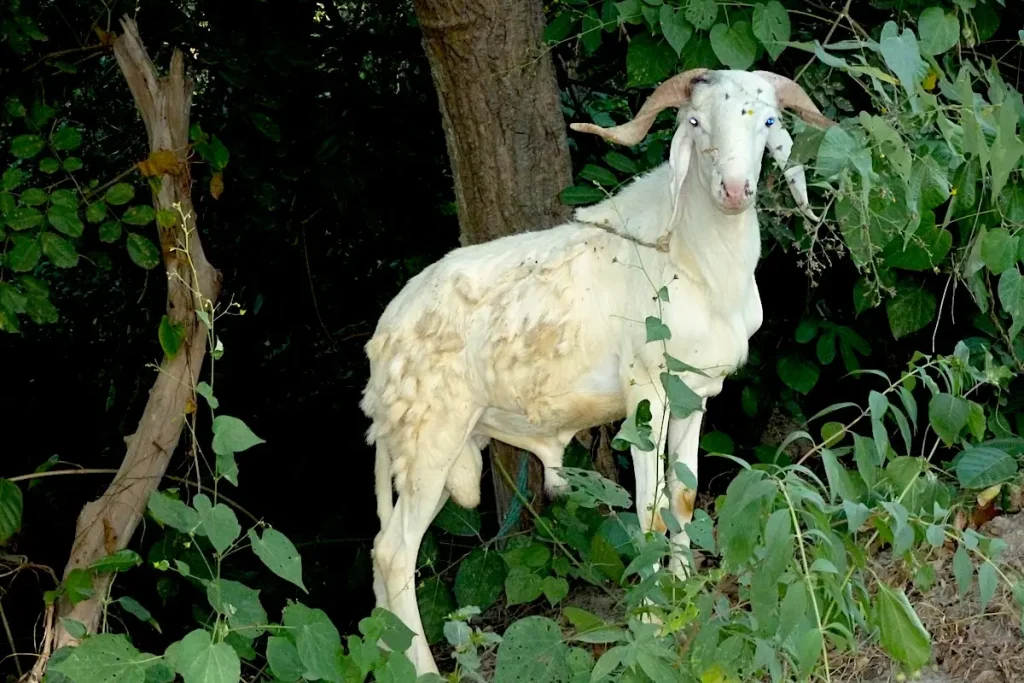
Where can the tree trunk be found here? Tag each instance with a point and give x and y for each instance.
(506, 137)
(107, 524)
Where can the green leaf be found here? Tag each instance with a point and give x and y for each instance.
(480, 580)
(200, 660)
(142, 214)
(798, 374)
(65, 198)
(75, 629)
(839, 482)
(78, 586)
(867, 458)
(806, 331)
(104, 658)
(25, 253)
(284, 661)
(436, 603)
(980, 467)
(682, 400)
(142, 251)
(119, 194)
(948, 415)
(11, 506)
(206, 391)
(11, 178)
(240, 604)
(267, 126)
(635, 430)
(1007, 148)
(33, 197)
(674, 26)
(620, 162)
(67, 138)
(23, 218)
(96, 212)
(825, 349)
(734, 45)
(878, 405)
(72, 164)
(999, 250)
(231, 435)
(856, 514)
(120, 561)
(278, 554)
(532, 650)
(901, 54)
(591, 31)
(172, 512)
(555, 588)
(901, 633)
(656, 330)
(317, 641)
(963, 570)
(458, 520)
(27, 146)
(109, 232)
(836, 149)
(14, 107)
(134, 608)
(522, 586)
(66, 220)
(910, 310)
(578, 195)
(1011, 297)
(793, 609)
(49, 165)
(60, 252)
(171, 335)
(599, 175)
(702, 13)
(559, 28)
(649, 60)
(987, 583)
(716, 442)
(166, 218)
(218, 522)
(772, 27)
(939, 31)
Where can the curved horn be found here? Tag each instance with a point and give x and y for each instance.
(675, 92)
(791, 96)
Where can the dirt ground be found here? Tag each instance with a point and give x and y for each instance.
(968, 646)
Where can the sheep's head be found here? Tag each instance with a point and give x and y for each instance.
(727, 118)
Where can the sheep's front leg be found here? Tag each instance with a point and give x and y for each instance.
(683, 443)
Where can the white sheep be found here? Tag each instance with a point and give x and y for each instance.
(529, 338)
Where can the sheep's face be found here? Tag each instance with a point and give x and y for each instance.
(731, 117)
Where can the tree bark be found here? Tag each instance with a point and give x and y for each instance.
(506, 137)
(106, 525)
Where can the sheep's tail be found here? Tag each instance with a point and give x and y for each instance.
(382, 474)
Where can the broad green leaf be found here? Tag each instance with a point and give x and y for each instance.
(1007, 148)
(910, 310)
(206, 391)
(620, 162)
(119, 194)
(240, 604)
(218, 522)
(166, 218)
(284, 661)
(1011, 297)
(674, 26)
(701, 13)
(278, 554)
(793, 609)
(120, 561)
(555, 588)
(11, 178)
(60, 252)
(839, 482)
(656, 329)
(682, 400)
(926, 249)
(948, 415)
(734, 44)
(963, 570)
(78, 585)
(11, 507)
(458, 520)
(999, 250)
(878, 406)
(172, 512)
(889, 142)
(436, 603)
(75, 629)
(170, 335)
(901, 633)
(49, 165)
(649, 60)
(700, 531)
(865, 454)
(591, 32)
(72, 164)
(142, 214)
(935, 535)
(856, 514)
(25, 253)
(835, 151)
(712, 442)
(522, 586)
(66, 220)
(27, 146)
(599, 175)
(200, 660)
(316, 640)
(96, 212)
(559, 28)
(987, 583)
(109, 232)
(772, 27)
(532, 650)
(232, 435)
(33, 197)
(582, 194)
(901, 54)
(67, 138)
(980, 467)
(23, 218)
(64, 197)
(798, 374)
(142, 251)
(939, 31)
(104, 658)
(480, 579)
(134, 608)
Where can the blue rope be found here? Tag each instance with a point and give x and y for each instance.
(515, 508)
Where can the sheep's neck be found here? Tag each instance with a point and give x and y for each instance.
(715, 250)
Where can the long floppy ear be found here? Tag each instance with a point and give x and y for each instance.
(679, 164)
(791, 96)
(781, 145)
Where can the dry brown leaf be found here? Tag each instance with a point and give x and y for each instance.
(161, 162)
(217, 185)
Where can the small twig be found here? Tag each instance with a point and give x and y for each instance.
(10, 640)
(61, 53)
(828, 37)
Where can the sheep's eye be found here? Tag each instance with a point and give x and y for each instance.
(770, 122)
(694, 122)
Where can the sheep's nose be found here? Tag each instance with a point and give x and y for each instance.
(736, 190)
